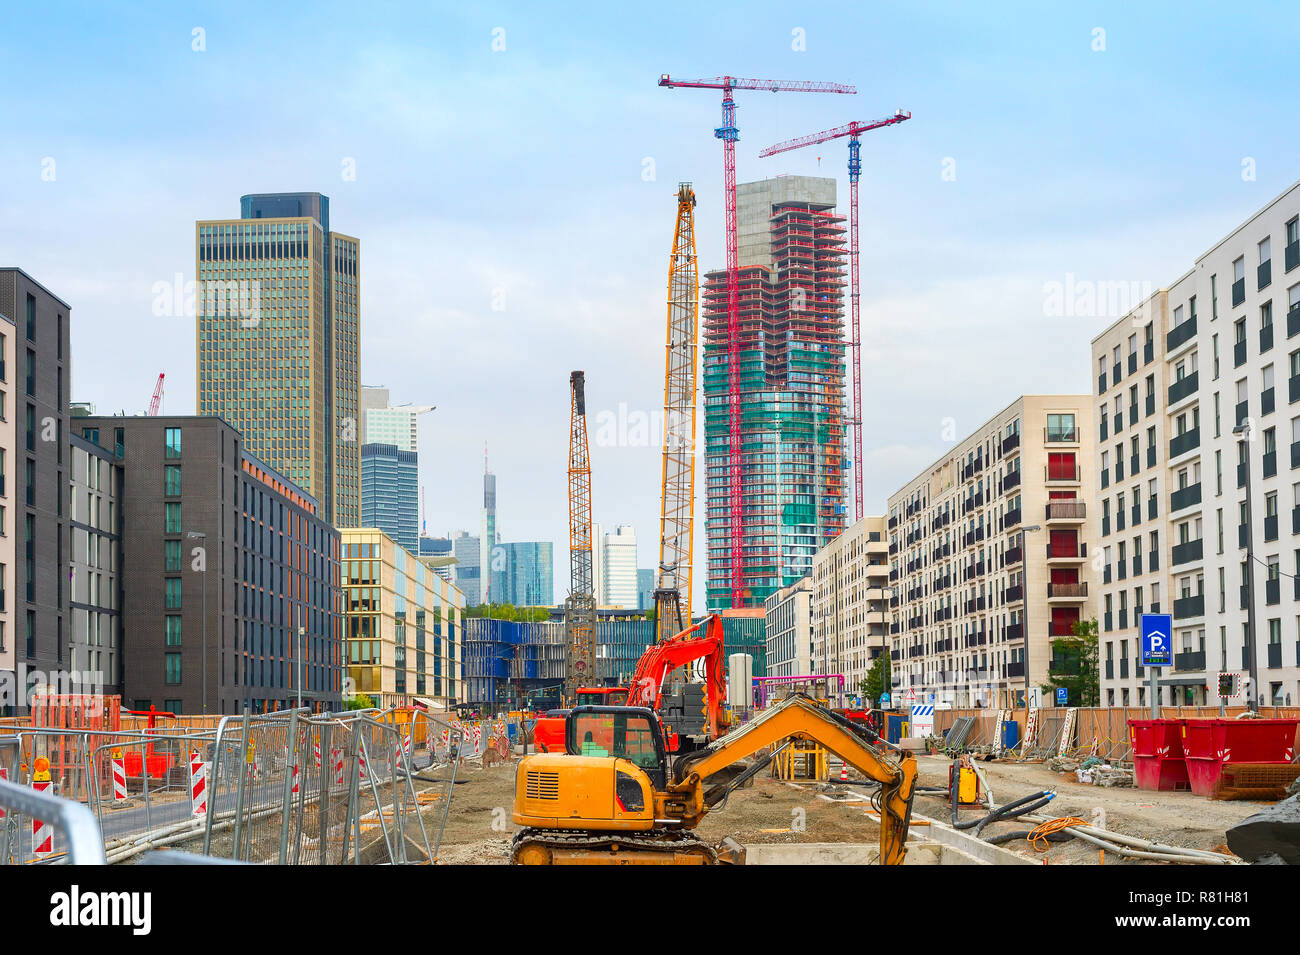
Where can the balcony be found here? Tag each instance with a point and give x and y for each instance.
(1238, 292)
(1013, 594)
(1134, 464)
(1239, 354)
(1275, 656)
(1183, 388)
(1115, 374)
(1058, 473)
(1067, 551)
(1265, 338)
(1067, 510)
(1015, 669)
(1293, 389)
(1241, 411)
(1150, 405)
(1151, 457)
(1101, 383)
(1010, 442)
(1013, 555)
(1263, 275)
(1189, 606)
(1110, 669)
(1267, 401)
(1077, 591)
(1291, 258)
(1269, 463)
(1148, 353)
(1012, 480)
(1189, 440)
(1273, 591)
(1135, 514)
(1190, 661)
(1104, 429)
(1123, 668)
(1132, 363)
(1180, 334)
(1185, 497)
(1015, 631)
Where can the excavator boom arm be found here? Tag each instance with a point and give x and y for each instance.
(703, 640)
(800, 718)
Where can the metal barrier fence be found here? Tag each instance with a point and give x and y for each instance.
(287, 787)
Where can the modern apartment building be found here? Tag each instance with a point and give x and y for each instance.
(278, 341)
(1224, 426)
(850, 602)
(403, 623)
(989, 557)
(34, 383)
(390, 493)
(790, 629)
(230, 577)
(94, 575)
(791, 249)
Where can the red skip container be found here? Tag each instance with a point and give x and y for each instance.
(1210, 743)
(1158, 754)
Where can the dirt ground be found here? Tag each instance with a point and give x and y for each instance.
(767, 811)
(479, 826)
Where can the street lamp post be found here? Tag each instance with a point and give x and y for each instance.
(204, 661)
(1244, 433)
(1024, 582)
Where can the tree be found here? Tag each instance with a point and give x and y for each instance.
(876, 683)
(360, 702)
(1075, 664)
(509, 612)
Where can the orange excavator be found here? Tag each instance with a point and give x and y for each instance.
(693, 714)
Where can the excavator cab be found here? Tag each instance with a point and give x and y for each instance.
(633, 733)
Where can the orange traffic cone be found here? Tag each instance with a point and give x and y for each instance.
(844, 772)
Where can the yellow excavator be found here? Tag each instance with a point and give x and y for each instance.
(614, 797)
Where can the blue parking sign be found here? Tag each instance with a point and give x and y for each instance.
(1062, 696)
(1157, 639)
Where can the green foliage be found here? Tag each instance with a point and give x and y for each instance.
(876, 683)
(510, 612)
(1075, 664)
(360, 702)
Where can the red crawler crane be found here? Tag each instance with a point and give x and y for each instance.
(156, 401)
(853, 131)
(729, 134)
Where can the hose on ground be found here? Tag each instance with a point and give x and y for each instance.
(1030, 803)
(1003, 837)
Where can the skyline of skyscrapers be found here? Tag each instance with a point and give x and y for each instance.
(792, 249)
(278, 341)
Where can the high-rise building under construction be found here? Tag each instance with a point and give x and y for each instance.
(792, 251)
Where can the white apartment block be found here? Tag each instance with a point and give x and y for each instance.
(989, 556)
(789, 629)
(1219, 360)
(850, 602)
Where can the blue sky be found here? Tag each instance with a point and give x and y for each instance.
(515, 176)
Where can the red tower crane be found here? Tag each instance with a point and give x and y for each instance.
(729, 134)
(156, 401)
(853, 131)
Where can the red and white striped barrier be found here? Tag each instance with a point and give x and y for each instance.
(361, 758)
(336, 757)
(42, 831)
(316, 752)
(198, 786)
(119, 780)
(294, 789)
(4, 775)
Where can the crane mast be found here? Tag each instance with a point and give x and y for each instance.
(681, 364)
(155, 402)
(580, 607)
(729, 133)
(854, 131)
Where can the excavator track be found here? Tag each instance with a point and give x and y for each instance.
(560, 847)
